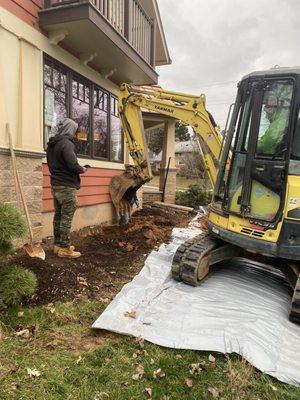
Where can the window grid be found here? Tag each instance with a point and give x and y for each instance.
(74, 86)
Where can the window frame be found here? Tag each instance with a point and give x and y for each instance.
(70, 74)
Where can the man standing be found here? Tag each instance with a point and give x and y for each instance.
(65, 180)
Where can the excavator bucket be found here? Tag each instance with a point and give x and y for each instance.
(119, 187)
(122, 190)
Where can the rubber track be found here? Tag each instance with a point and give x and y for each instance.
(187, 257)
(295, 311)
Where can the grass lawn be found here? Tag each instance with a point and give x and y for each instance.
(78, 363)
(182, 183)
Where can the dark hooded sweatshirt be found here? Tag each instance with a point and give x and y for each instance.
(61, 157)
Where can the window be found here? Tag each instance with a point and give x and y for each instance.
(296, 142)
(100, 125)
(81, 115)
(116, 142)
(55, 99)
(67, 94)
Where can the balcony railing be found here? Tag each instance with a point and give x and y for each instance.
(128, 18)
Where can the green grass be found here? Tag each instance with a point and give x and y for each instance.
(108, 361)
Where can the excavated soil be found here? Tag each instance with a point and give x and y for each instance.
(111, 257)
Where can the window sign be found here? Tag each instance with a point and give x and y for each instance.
(50, 117)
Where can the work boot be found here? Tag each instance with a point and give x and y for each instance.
(56, 248)
(68, 252)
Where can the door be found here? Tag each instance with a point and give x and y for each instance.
(257, 179)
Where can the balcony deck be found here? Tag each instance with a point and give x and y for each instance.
(116, 34)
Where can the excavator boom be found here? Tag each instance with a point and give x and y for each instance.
(190, 110)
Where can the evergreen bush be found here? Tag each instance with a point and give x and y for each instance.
(15, 283)
(12, 225)
(195, 196)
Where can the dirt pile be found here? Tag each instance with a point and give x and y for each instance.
(111, 257)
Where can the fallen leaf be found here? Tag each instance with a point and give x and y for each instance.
(25, 334)
(178, 356)
(214, 392)
(165, 397)
(33, 372)
(112, 272)
(140, 341)
(274, 388)
(152, 361)
(136, 377)
(103, 299)
(79, 359)
(54, 312)
(82, 281)
(145, 352)
(139, 369)
(129, 247)
(149, 234)
(188, 382)
(130, 314)
(20, 314)
(149, 392)
(195, 369)
(14, 386)
(211, 358)
(158, 373)
(125, 383)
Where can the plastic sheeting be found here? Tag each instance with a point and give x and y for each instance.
(239, 308)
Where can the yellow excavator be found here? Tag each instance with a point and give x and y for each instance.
(254, 169)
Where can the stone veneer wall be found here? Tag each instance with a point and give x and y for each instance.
(151, 196)
(29, 167)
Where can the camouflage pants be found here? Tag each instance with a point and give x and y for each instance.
(65, 204)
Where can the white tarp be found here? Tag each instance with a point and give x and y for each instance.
(241, 309)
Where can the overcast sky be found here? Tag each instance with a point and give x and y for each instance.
(213, 43)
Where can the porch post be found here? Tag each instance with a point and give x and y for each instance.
(168, 158)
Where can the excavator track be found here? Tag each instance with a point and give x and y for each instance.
(188, 257)
(295, 310)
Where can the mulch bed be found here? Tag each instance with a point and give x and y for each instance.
(110, 258)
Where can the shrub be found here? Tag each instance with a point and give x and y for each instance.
(12, 225)
(15, 283)
(194, 196)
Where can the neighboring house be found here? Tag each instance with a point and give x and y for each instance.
(67, 58)
(181, 150)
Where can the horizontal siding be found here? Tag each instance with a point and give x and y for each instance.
(94, 187)
(26, 10)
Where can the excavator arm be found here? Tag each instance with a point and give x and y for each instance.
(190, 110)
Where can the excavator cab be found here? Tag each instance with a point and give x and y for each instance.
(256, 182)
(256, 209)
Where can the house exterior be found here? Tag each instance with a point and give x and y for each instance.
(181, 150)
(67, 58)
